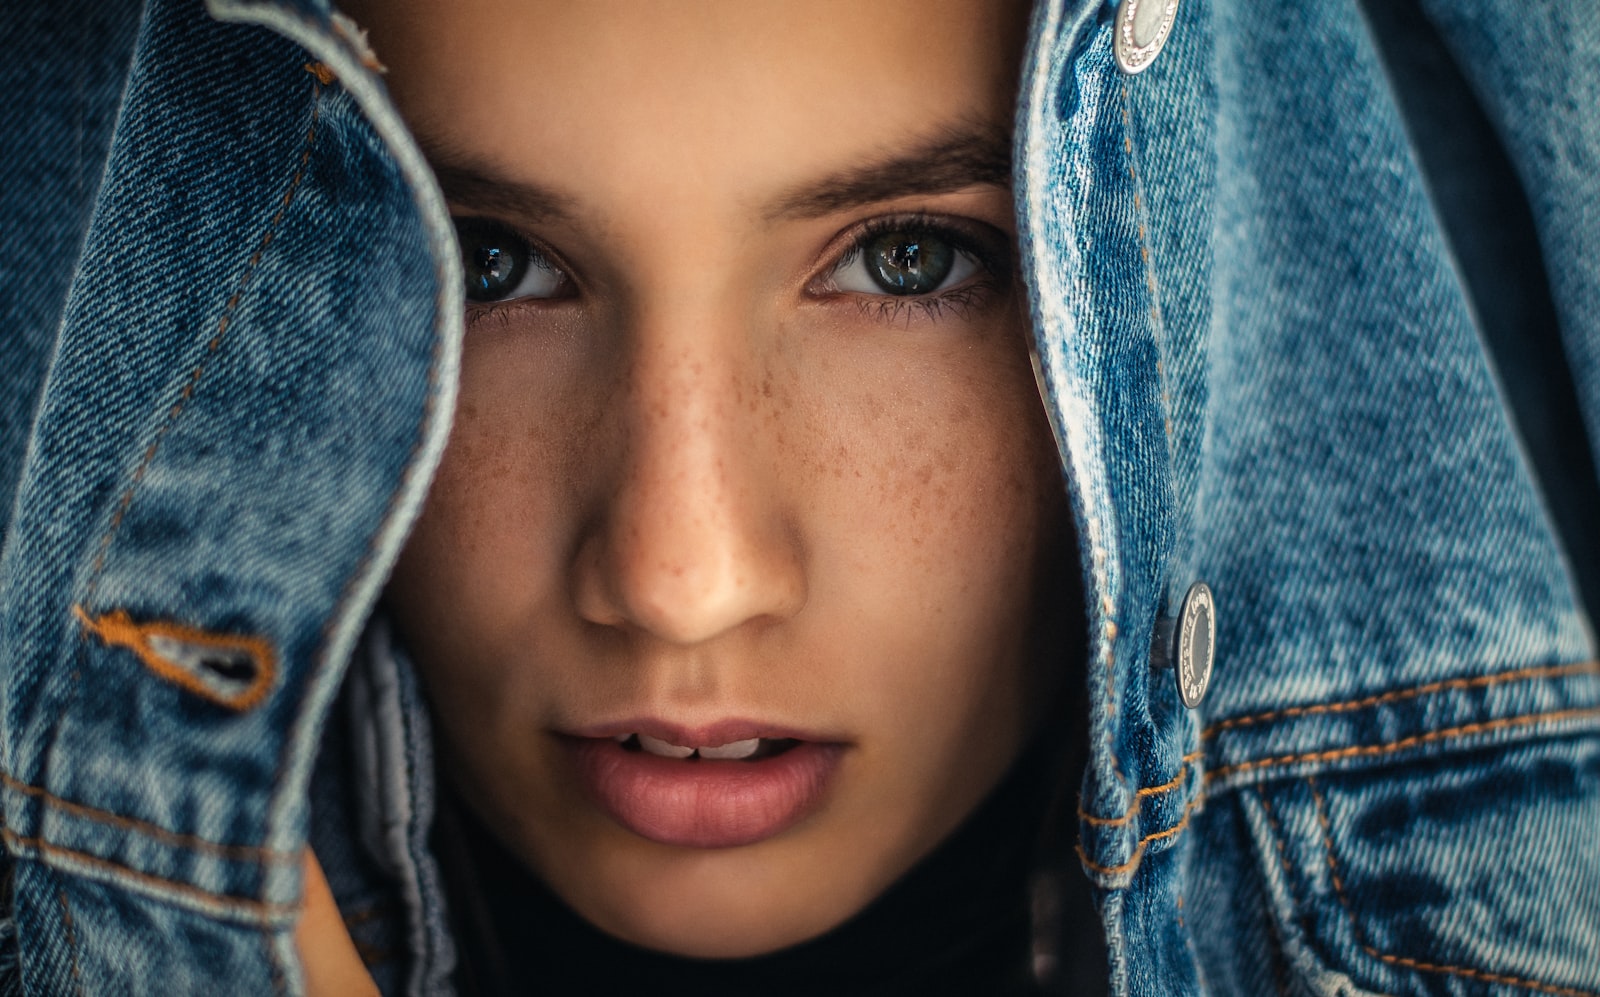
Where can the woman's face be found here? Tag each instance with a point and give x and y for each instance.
(748, 458)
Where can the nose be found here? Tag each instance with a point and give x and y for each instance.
(692, 538)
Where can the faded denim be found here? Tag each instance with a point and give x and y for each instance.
(1260, 358)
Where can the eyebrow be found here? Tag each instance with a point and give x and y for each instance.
(954, 159)
(482, 187)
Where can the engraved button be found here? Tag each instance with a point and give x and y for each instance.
(1196, 644)
(1142, 29)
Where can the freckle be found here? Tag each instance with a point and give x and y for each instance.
(766, 388)
(926, 474)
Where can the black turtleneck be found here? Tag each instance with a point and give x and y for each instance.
(960, 922)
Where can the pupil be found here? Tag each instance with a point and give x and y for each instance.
(907, 263)
(492, 258)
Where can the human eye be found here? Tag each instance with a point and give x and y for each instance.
(926, 263)
(501, 265)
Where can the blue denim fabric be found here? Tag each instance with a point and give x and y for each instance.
(1260, 359)
(238, 426)
(56, 146)
(1265, 373)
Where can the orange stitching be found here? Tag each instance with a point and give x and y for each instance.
(1327, 836)
(320, 662)
(1144, 254)
(1138, 851)
(1403, 743)
(274, 964)
(72, 942)
(1520, 675)
(211, 348)
(260, 907)
(244, 853)
(322, 71)
(1477, 974)
(1277, 839)
(1138, 800)
(117, 629)
(1427, 967)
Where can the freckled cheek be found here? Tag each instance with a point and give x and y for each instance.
(482, 555)
(965, 475)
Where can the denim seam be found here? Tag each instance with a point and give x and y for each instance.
(1275, 827)
(237, 853)
(212, 347)
(274, 964)
(1474, 682)
(1141, 217)
(1138, 800)
(1395, 960)
(1427, 737)
(1278, 841)
(347, 55)
(1046, 350)
(1138, 852)
(72, 941)
(18, 843)
(323, 72)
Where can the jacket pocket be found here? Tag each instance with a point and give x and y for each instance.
(1470, 872)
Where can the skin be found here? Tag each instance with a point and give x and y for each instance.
(328, 957)
(707, 483)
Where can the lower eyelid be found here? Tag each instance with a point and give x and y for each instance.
(962, 301)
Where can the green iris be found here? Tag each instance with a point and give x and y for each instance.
(909, 262)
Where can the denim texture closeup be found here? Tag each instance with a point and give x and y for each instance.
(1266, 374)
(1259, 352)
(238, 425)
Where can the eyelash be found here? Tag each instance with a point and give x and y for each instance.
(989, 250)
(992, 254)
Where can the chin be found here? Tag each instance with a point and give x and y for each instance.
(723, 904)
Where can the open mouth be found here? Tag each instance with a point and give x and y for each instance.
(750, 749)
(704, 795)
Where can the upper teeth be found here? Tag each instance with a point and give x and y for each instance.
(732, 751)
(666, 749)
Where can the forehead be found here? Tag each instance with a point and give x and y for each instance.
(621, 103)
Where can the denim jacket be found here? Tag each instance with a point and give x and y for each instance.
(1266, 330)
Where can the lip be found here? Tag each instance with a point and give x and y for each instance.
(712, 734)
(703, 803)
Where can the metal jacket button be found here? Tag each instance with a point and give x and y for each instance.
(1197, 643)
(1142, 29)
(1190, 643)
